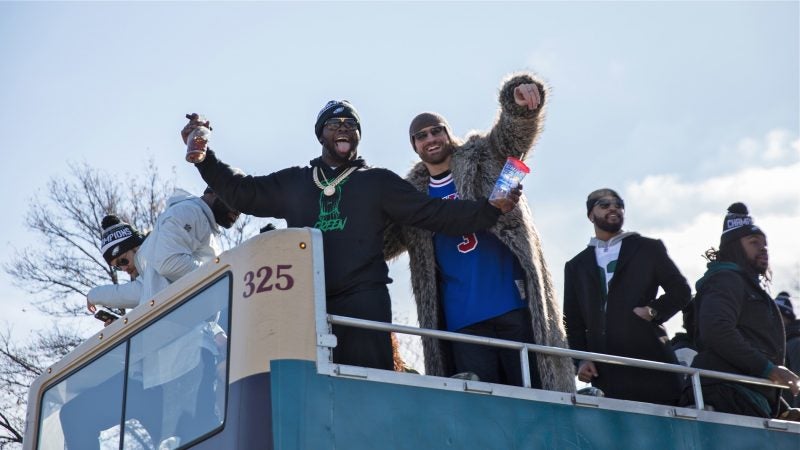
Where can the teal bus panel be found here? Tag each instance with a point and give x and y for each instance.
(312, 411)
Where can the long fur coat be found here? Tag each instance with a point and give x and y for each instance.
(475, 165)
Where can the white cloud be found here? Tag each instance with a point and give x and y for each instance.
(687, 242)
(688, 215)
(779, 145)
(767, 180)
(748, 149)
(666, 199)
(796, 146)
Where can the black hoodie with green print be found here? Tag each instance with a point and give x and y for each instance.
(352, 220)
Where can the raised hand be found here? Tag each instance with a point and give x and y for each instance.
(527, 95)
(195, 120)
(508, 203)
(587, 371)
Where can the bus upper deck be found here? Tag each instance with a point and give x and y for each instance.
(237, 355)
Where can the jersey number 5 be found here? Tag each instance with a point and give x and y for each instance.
(470, 241)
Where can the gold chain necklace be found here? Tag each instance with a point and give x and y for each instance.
(329, 188)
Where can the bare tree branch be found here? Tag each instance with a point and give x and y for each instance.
(66, 262)
(9, 431)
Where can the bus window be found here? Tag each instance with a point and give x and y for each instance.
(180, 361)
(85, 405)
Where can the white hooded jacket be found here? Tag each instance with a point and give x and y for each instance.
(184, 238)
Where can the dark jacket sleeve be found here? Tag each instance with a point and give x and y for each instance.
(262, 196)
(394, 242)
(517, 127)
(677, 292)
(722, 301)
(407, 206)
(573, 314)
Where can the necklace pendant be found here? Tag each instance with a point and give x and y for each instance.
(329, 190)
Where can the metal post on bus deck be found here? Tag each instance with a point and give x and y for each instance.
(525, 362)
(698, 391)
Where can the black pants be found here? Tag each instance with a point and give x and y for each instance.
(357, 346)
(493, 364)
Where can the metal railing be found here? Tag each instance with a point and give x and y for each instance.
(524, 348)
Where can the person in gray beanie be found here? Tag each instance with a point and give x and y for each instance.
(739, 329)
(493, 283)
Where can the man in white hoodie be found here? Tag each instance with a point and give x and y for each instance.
(184, 238)
(179, 366)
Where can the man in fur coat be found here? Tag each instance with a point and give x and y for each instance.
(493, 283)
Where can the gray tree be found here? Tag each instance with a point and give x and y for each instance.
(69, 262)
(66, 263)
(20, 364)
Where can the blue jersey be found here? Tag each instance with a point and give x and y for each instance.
(477, 271)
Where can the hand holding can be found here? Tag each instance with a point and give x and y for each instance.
(510, 177)
(196, 134)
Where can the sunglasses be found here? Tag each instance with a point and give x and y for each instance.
(434, 131)
(121, 262)
(347, 123)
(605, 204)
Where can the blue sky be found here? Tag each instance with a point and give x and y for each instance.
(682, 107)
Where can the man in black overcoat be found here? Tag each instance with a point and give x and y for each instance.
(610, 305)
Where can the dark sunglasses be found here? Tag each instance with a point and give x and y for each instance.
(434, 131)
(335, 123)
(121, 262)
(605, 204)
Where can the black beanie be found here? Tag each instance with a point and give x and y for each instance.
(118, 237)
(596, 195)
(737, 224)
(425, 120)
(336, 108)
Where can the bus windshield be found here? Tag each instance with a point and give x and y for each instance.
(161, 388)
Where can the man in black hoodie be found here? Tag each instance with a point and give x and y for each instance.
(351, 204)
(792, 327)
(739, 329)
